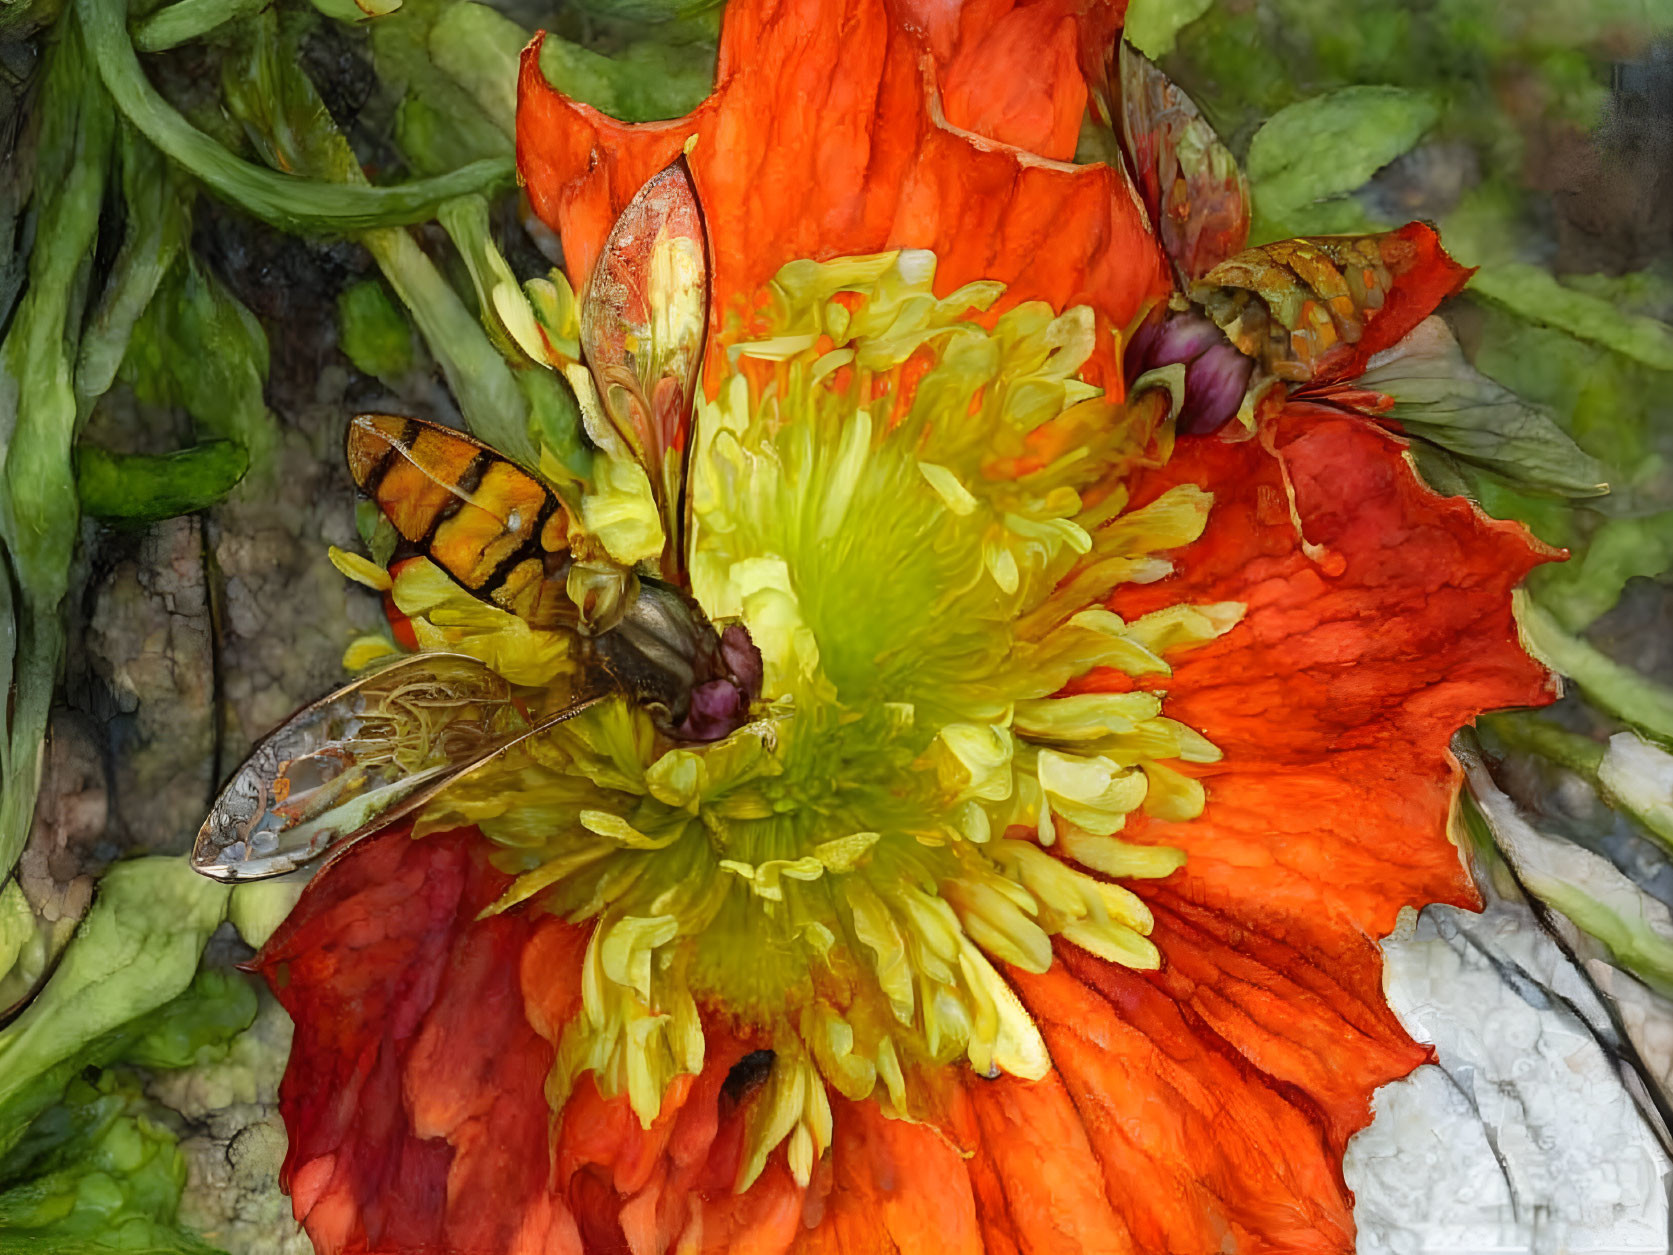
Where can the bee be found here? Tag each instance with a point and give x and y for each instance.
(365, 756)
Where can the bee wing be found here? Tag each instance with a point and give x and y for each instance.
(642, 329)
(1191, 184)
(359, 759)
(484, 520)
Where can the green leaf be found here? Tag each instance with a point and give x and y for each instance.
(158, 201)
(37, 505)
(1608, 402)
(137, 949)
(186, 20)
(260, 906)
(478, 48)
(1320, 148)
(1441, 398)
(458, 114)
(17, 925)
(1631, 924)
(198, 1026)
(1153, 25)
(669, 13)
(1637, 777)
(373, 331)
(199, 347)
(141, 488)
(95, 1175)
(38, 413)
(1585, 588)
(301, 205)
(379, 536)
(647, 81)
(1533, 293)
(356, 12)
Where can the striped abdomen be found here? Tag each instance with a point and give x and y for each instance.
(484, 520)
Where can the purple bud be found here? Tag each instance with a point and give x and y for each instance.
(717, 710)
(1184, 337)
(1214, 386)
(1216, 373)
(742, 659)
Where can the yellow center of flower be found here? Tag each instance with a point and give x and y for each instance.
(919, 518)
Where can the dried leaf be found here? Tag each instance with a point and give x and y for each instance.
(1441, 398)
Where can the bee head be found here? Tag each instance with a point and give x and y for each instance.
(698, 683)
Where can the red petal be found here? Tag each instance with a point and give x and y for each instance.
(408, 1092)
(822, 139)
(415, 1096)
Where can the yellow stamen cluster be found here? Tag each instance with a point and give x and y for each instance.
(919, 513)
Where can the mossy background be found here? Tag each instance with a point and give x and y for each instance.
(200, 363)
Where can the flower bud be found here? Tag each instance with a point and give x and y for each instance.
(1216, 372)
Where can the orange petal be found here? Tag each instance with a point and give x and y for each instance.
(1222, 1089)
(1199, 1151)
(1334, 699)
(1010, 70)
(824, 137)
(893, 1186)
(1317, 1022)
(1040, 1185)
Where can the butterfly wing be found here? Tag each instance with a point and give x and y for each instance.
(643, 322)
(484, 520)
(1189, 181)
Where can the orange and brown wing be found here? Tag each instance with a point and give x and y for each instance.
(1317, 309)
(481, 518)
(1191, 184)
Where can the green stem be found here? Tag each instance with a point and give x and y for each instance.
(1530, 733)
(297, 205)
(1618, 690)
(38, 512)
(481, 381)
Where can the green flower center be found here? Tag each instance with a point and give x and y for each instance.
(918, 511)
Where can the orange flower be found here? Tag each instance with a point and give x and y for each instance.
(1201, 1105)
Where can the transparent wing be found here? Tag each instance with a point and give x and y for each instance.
(642, 329)
(359, 759)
